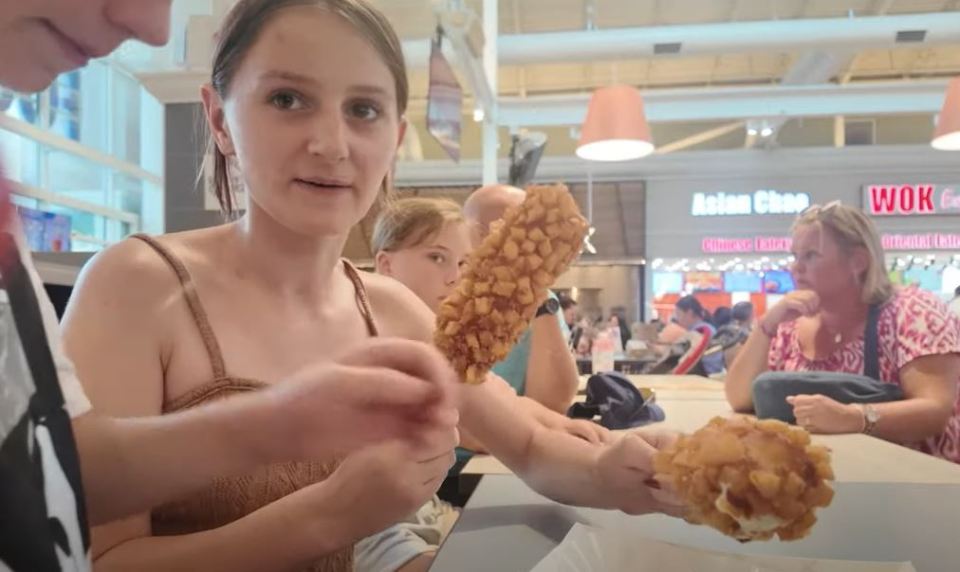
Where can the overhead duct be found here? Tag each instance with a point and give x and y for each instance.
(734, 37)
(733, 103)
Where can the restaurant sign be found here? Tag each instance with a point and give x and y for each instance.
(782, 244)
(763, 202)
(911, 199)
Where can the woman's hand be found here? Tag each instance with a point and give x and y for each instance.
(381, 485)
(382, 389)
(794, 305)
(626, 474)
(820, 414)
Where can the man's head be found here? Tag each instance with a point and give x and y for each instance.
(41, 39)
(569, 306)
(486, 206)
(742, 313)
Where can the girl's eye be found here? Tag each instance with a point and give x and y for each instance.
(438, 258)
(365, 111)
(286, 101)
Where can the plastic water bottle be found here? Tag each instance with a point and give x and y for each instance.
(604, 352)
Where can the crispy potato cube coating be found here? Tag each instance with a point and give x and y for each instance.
(507, 278)
(749, 479)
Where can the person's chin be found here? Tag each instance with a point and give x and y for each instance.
(27, 78)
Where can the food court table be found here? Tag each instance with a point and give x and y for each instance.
(507, 527)
(690, 401)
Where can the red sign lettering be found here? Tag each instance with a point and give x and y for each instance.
(882, 199)
(925, 198)
(906, 200)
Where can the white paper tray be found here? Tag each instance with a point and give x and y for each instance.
(589, 549)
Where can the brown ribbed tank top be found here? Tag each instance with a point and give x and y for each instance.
(228, 499)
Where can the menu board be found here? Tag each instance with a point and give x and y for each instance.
(667, 283)
(703, 281)
(742, 282)
(778, 282)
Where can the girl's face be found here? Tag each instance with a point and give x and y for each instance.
(311, 118)
(432, 269)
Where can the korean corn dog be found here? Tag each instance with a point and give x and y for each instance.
(749, 479)
(507, 279)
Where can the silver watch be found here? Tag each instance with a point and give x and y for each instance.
(870, 418)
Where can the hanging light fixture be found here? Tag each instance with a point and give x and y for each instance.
(947, 135)
(616, 128)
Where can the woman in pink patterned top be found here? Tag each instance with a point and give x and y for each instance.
(840, 272)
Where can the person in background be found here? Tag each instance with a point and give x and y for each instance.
(569, 307)
(618, 321)
(742, 316)
(540, 366)
(423, 243)
(739, 328)
(839, 272)
(721, 317)
(51, 440)
(733, 327)
(955, 303)
(713, 363)
(691, 315)
(584, 348)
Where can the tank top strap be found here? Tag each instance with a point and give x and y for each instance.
(362, 301)
(193, 303)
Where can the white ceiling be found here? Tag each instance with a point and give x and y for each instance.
(414, 19)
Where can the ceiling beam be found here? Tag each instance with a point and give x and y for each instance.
(698, 138)
(912, 160)
(856, 33)
(812, 67)
(720, 104)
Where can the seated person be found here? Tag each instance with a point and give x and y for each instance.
(839, 272)
(738, 329)
(163, 325)
(569, 308)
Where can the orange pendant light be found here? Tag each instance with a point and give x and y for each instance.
(616, 127)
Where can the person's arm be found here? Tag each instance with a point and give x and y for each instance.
(284, 535)
(368, 492)
(552, 376)
(752, 360)
(556, 464)
(135, 463)
(930, 389)
(561, 466)
(929, 385)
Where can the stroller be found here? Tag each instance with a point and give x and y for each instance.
(685, 356)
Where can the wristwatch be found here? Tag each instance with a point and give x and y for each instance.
(549, 306)
(870, 418)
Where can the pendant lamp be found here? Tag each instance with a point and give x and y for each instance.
(616, 128)
(947, 135)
